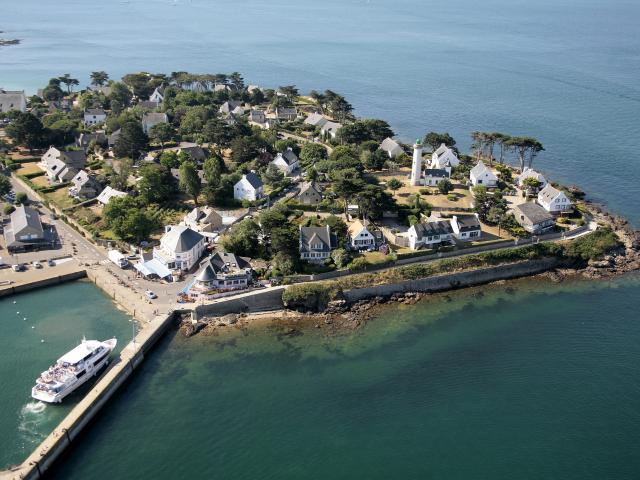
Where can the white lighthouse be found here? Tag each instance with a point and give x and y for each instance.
(416, 166)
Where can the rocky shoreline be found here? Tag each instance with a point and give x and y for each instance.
(342, 317)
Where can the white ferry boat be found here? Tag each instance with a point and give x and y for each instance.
(72, 370)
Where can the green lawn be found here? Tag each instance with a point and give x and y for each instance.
(27, 168)
(60, 197)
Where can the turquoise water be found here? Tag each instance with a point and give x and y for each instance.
(566, 72)
(531, 382)
(60, 316)
(540, 383)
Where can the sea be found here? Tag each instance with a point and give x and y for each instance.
(526, 380)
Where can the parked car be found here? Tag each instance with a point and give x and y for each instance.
(150, 295)
(51, 263)
(18, 267)
(36, 264)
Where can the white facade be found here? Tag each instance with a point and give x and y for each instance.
(429, 234)
(531, 173)
(245, 190)
(360, 237)
(330, 129)
(482, 175)
(286, 166)
(157, 95)
(416, 165)
(554, 200)
(444, 157)
(180, 248)
(94, 117)
(466, 229)
(392, 147)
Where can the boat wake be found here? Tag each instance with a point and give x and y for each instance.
(31, 416)
(33, 408)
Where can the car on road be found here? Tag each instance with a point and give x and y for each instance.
(51, 263)
(19, 267)
(36, 264)
(150, 295)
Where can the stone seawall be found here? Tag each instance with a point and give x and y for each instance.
(45, 282)
(452, 281)
(260, 301)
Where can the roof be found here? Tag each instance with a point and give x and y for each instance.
(533, 212)
(154, 117)
(531, 173)
(286, 111)
(436, 172)
(429, 229)
(229, 106)
(153, 267)
(355, 228)
(94, 111)
(311, 187)
(442, 149)
(390, 145)
(78, 353)
(481, 169)
(312, 235)
(467, 223)
(150, 104)
(253, 179)
(180, 239)
(25, 218)
(10, 100)
(221, 262)
(82, 178)
(108, 193)
(331, 127)
(548, 193)
(288, 156)
(316, 120)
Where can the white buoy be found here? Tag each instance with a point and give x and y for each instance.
(14, 302)
(33, 326)
(17, 313)
(42, 341)
(24, 318)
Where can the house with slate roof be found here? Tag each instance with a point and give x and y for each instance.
(12, 100)
(310, 194)
(316, 243)
(25, 231)
(553, 200)
(330, 129)
(466, 227)
(158, 95)
(482, 175)
(180, 248)
(108, 193)
(84, 139)
(249, 187)
(430, 233)
(533, 218)
(392, 147)
(286, 113)
(94, 116)
(360, 238)
(531, 173)
(287, 161)
(222, 271)
(316, 120)
(231, 106)
(62, 165)
(443, 157)
(85, 186)
(151, 119)
(203, 219)
(433, 176)
(257, 116)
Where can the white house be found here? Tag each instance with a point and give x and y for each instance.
(249, 187)
(257, 116)
(151, 119)
(203, 219)
(482, 175)
(85, 186)
(316, 120)
(433, 176)
(287, 161)
(158, 95)
(392, 147)
(221, 272)
(330, 129)
(444, 157)
(554, 200)
(427, 234)
(531, 173)
(62, 165)
(360, 238)
(94, 116)
(108, 193)
(466, 227)
(12, 100)
(286, 113)
(180, 247)
(316, 243)
(533, 218)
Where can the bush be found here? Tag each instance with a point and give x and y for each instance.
(359, 264)
(452, 198)
(593, 245)
(8, 209)
(307, 296)
(21, 198)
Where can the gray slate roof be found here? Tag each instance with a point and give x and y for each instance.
(548, 193)
(25, 218)
(94, 111)
(430, 229)
(533, 212)
(468, 223)
(436, 172)
(312, 235)
(181, 239)
(254, 180)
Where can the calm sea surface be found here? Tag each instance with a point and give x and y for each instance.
(60, 316)
(543, 383)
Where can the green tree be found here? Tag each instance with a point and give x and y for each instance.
(213, 168)
(310, 153)
(5, 185)
(243, 150)
(169, 159)
(243, 239)
(394, 184)
(27, 130)
(52, 92)
(120, 97)
(99, 78)
(340, 257)
(21, 198)
(69, 82)
(161, 133)
(190, 181)
(435, 139)
(282, 145)
(272, 176)
(132, 140)
(289, 91)
(445, 186)
(155, 185)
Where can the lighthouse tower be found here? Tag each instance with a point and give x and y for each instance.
(416, 166)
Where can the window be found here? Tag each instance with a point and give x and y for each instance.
(474, 234)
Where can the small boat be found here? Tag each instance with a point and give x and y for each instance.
(73, 369)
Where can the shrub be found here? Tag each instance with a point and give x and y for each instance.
(593, 245)
(8, 209)
(21, 198)
(452, 198)
(307, 296)
(359, 264)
